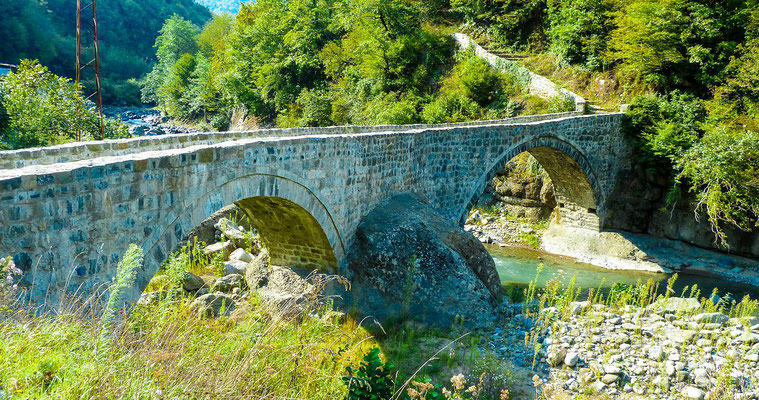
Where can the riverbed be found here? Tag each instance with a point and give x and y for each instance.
(518, 266)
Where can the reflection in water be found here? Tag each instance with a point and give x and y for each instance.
(518, 267)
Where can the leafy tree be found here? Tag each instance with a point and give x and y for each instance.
(722, 170)
(273, 52)
(172, 98)
(176, 39)
(512, 24)
(44, 109)
(578, 30)
(666, 44)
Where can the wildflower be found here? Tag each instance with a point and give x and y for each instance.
(536, 381)
(458, 381)
(504, 394)
(447, 393)
(412, 393)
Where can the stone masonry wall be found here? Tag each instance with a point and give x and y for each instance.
(78, 151)
(538, 85)
(67, 224)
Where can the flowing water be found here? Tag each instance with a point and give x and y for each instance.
(517, 267)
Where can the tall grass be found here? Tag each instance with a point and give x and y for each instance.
(167, 351)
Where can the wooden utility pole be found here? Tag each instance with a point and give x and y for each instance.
(90, 29)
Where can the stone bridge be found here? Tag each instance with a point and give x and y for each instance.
(68, 212)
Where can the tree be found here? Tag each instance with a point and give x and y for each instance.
(177, 38)
(668, 44)
(44, 109)
(513, 24)
(578, 30)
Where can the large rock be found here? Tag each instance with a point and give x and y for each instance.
(287, 293)
(257, 271)
(213, 304)
(227, 283)
(241, 255)
(192, 282)
(222, 249)
(408, 261)
(233, 233)
(676, 305)
(205, 231)
(235, 267)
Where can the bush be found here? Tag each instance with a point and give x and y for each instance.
(44, 109)
(372, 381)
(450, 107)
(722, 170)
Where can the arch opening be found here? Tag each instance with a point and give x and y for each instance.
(574, 199)
(291, 234)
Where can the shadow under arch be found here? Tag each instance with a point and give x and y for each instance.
(575, 183)
(268, 200)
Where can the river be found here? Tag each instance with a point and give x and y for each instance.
(517, 267)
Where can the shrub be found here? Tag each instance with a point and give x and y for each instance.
(450, 107)
(372, 381)
(44, 109)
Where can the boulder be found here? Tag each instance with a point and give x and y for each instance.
(676, 305)
(408, 261)
(286, 293)
(148, 298)
(714, 317)
(212, 304)
(241, 255)
(205, 231)
(257, 271)
(235, 267)
(228, 283)
(286, 280)
(232, 232)
(192, 282)
(223, 249)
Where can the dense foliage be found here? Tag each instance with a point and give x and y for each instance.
(46, 31)
(42, 109)
(300, 63)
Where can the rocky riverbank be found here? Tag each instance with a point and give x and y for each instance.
(609, 249)
(147, 121)
(674, 348)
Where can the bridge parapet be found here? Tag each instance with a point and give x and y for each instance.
(11, 159)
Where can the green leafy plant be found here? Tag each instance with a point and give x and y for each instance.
(372, 381)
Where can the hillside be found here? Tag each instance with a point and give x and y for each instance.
(127, 28)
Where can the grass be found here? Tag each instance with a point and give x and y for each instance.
(166, 350)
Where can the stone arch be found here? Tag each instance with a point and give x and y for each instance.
(575, 182)
(267, 199)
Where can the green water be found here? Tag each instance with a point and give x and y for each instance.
(517, 267)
